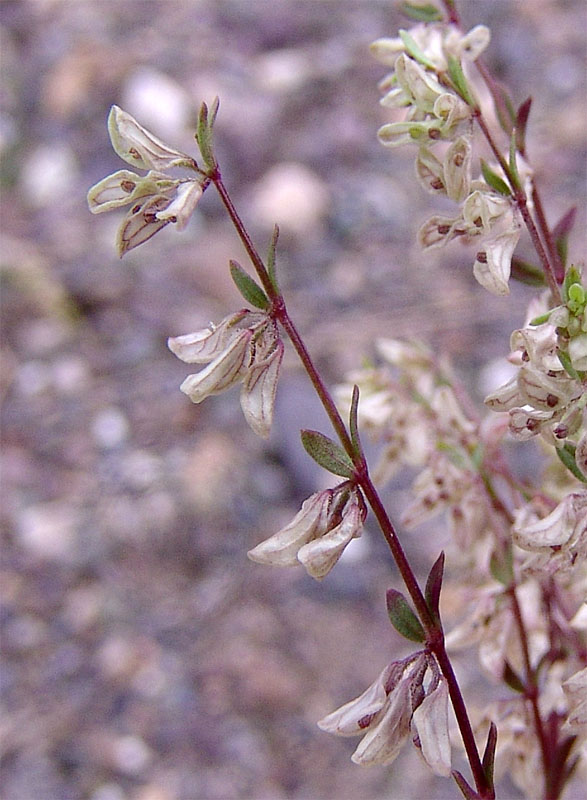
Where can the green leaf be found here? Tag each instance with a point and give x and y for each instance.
(433, 587)
(513, 164)
(561, 233)
(493, 179)
(271, 257)
(565, 360)
(567, 456)
(504, 106)
(353, 424)
(521, 124)
(512, 679)
(527, 273)
(204, 137)
(459, 81)
(403, 618)
(422, 13)
(489, 754)
(501, 566)
(249, 289)
(413, 50)
(327, 453)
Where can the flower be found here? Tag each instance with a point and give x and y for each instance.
(318, 534)
(157, 198)
(383, 714)
(245, 347)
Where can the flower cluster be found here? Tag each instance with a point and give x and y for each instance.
(547, 396)
(156, 198)
(409, 696)
(244, 348)
(411, 407)
(318, 534)
(436, 115)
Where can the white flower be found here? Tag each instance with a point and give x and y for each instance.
(564, 526)
(431, 722)
(138, 147)
(156, 199)
(318, 534)
(244, 347)
(382, 713)
(493, 264)
(575, 689)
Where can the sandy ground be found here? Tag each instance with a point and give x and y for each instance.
(144, 657)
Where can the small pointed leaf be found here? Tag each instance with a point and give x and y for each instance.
(513, 163)
(204, 137)
(457, 76)
(249, 288)
(493, 179)
(414, 51)
(327, 453)
(521, 123)
(353, 424)
(489, 754)
(403, 618)
(504, 107)
(567, 456)
(422, 13)
(433, 587)
(561, 233)
(271, 257)
(527, 273)
(501, 566)
(467, 791)
(565, 360)
(512, 679)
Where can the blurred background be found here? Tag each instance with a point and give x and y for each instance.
(144, 657)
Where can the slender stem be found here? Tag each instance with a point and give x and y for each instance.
(522, 204)
(547, 234)
(531, 682)
(434, 633)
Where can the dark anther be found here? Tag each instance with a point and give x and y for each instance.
(551, 400)
(481, 257)
(127, 186)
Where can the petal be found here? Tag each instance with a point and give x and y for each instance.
(474, 43)
(258, 392)
(354, 717)
(115, 190)
(281, 549)
(220, 374)
(567, 521)
(206, 344)
(141, 223)
(506, 397)
(138, 147)
(183, 205)
(431, 722)
(457, 169)
(320, 555)
(383, 742)
(493, 263)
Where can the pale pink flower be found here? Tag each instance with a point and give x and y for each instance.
(493, 263)
(245, 347)
(381, 714)
(156, 198)
(575, 689)
(431, 722)
(318, 534)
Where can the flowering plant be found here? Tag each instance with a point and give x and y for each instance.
(521, 544)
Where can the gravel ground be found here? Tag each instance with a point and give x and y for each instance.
(144, 657)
